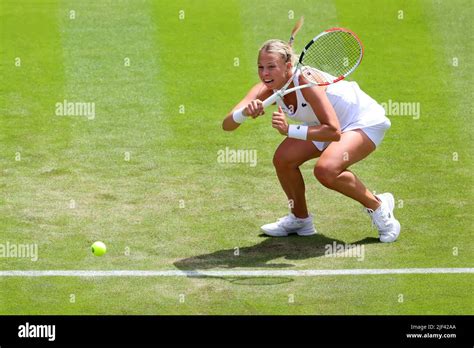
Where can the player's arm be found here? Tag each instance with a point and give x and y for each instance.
(251, 106)
(329, 129)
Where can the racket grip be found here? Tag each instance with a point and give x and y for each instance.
(270, 100)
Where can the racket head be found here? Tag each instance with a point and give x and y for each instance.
(331, 56)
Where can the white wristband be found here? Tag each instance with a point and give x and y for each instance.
(297, 131)
(238, 116)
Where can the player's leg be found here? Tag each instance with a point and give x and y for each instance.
(331, 170)
(289, 156)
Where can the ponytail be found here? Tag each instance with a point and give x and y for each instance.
(295, 30)
(282, 48)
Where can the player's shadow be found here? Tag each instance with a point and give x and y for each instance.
(261, 254)
(367, 240)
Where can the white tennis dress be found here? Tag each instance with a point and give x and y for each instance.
(354, 109)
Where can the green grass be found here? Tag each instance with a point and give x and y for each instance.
(73, 184)
(359, 295)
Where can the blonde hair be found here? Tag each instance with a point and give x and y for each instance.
(282, 48)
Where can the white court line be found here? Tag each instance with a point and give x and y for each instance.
(232, 273)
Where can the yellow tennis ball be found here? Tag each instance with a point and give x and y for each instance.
(98, 248)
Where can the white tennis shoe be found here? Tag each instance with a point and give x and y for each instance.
(290, 224)
(383, 218)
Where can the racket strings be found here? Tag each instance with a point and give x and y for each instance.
(331, 56)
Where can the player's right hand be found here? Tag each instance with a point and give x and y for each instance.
(254, 109)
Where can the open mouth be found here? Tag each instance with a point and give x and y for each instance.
(267, 81)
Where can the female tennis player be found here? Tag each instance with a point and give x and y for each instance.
(342, 125)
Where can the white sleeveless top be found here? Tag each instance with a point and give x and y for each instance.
(354, 108)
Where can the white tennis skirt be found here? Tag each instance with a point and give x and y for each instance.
(375, 132)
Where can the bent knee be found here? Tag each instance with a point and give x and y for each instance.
(325, 174)
(283, 160)
(280, 161)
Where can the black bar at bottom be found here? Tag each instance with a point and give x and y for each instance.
(240, 330)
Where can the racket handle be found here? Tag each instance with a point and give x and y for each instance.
(270, 100)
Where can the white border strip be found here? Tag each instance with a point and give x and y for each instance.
(233, 273)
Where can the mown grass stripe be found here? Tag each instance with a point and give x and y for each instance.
(236, 273)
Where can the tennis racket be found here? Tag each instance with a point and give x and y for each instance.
(328, 58)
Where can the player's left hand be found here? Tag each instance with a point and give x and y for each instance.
(279, 122)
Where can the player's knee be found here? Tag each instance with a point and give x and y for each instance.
(279, 160)
(325, 175)
(282, 161)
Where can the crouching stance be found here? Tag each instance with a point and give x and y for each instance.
(340, 124)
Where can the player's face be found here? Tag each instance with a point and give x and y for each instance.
(272, 70)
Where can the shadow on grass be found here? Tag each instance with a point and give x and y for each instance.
(260, 255)
(259, 280)
(367, 240)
